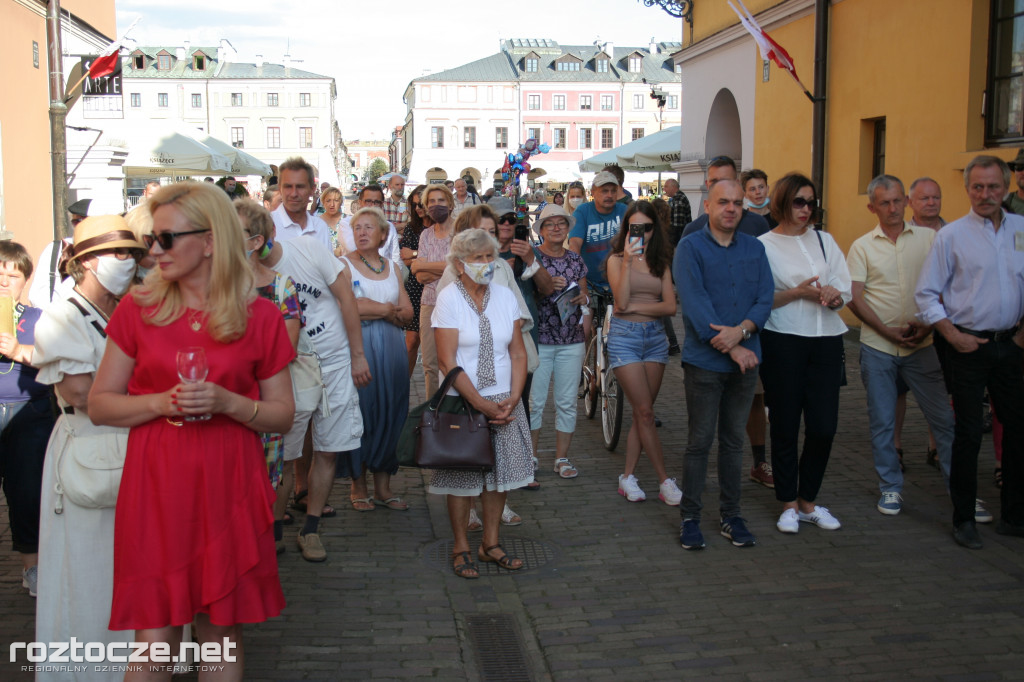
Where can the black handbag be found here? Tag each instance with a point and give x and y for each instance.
(446, 433)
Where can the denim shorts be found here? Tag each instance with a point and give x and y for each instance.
(630, 342)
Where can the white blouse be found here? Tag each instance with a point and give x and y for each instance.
(796, 259)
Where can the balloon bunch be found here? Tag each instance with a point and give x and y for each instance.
(518, 164)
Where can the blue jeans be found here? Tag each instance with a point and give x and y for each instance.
(722, 400)
(563, 363)
(631, 342)
(921, 373)
(24, 433)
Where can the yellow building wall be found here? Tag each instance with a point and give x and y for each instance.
(711, 16)
(24, 115)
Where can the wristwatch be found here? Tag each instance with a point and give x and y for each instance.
(746, 333)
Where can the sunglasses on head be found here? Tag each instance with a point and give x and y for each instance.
(166, 239)
(800, 202)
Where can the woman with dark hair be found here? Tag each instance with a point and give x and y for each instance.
(640, 276)
(410, 244)
(194, 530)
(559, 199)
(802, 349)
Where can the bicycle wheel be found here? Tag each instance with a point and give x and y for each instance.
(612, 401)
(588, 389)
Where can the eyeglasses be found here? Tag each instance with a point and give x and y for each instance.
(800, 202)
(166, 239)
(647, 226)
(372, 202)
(121, 253)
(558, 224)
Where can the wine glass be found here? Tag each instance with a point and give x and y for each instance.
(192, 369)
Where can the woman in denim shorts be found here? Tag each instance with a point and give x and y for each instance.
(641, 282)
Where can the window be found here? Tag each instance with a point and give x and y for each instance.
(586, 138)
(638, 133)
(559, 138)
(163, 62)
(305, 99)
(273, 137)
(199, 63)
(878, 150)
(602, 65)
(607, 101)
(236, 99)
(559, 103)
(586, 102)
(437, 137)
(238, 137)
(533, 101)
(636, 64)
(607, 138)
(501, 138)
(638, 101)
(162, 100)
(136, 100)
(469, 137)
(531, 64)
(567, 66)
(197, 100)
(306, 138)
(1004, 120)
(673, 101)
(533, 133)
(271, 99)
(139, 62)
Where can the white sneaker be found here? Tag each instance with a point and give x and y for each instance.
(670, 493)
(981, 515)
(789, 522)
(630, 488)
(30, 579)
(820, 517)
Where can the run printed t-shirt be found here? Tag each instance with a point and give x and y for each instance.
(596, 230)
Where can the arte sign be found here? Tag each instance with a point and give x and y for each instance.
(105, 86)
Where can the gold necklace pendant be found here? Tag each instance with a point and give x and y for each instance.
(194, 321)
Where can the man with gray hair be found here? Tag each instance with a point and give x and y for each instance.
(926, 203)
(463, 197)
(884, 266)
(296, 183)
(394, 204)
(971, 289)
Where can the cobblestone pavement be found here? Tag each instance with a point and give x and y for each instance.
(883, 598)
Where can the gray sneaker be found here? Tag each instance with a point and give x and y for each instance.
(29, 579)
(312, 549)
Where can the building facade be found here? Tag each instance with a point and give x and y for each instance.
(363, 152)
(580, 100)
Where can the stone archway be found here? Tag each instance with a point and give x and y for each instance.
(436, 175)
(724, 135)
(471, 175)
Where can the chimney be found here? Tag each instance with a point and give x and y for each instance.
(653, 47)
(609, 49)
(188, 46)
(179, 53)
(501, 45)
(225, 53)
(287, 61)
(259, 61)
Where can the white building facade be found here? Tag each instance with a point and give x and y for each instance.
(580, 100)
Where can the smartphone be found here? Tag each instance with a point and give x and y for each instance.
(522, 232)
(636, 236)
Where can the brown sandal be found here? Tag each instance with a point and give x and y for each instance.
(467, 569)
(505, 561)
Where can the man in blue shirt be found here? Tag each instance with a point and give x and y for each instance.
(724, 168)
(726, 288)
(971, 290)
(597, 222)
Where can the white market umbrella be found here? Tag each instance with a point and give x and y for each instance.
(170, 152)
(241, 162)
(595, 163)
(655, 152)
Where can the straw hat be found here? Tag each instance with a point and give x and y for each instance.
(552, 211)
(102, 232)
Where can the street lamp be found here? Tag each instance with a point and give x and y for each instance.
(680, 9)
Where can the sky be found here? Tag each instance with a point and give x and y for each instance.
(373, 51)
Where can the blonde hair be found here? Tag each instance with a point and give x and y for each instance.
(206, 207)
(331, 192)
(254, 218)
(140, 221)
(383, 226)
(472, 216)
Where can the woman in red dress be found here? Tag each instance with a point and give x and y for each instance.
(193, 526)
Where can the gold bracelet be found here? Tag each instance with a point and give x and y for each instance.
(255, 411)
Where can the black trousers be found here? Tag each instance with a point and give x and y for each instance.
(22, 450)
(998, 366)
(801, 377)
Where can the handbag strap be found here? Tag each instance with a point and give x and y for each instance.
(446, 385)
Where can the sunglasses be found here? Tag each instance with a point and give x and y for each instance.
(509, 219)
(166, 239)
(800, 202)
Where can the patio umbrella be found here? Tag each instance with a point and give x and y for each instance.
(654, 152)
(241, 162)
(169, 153)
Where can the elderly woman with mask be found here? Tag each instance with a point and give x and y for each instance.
(76, 540)
(478, 327)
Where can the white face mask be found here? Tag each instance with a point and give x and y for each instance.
(481, 273)
(114, 274)
(575, 202)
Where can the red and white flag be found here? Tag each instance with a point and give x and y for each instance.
(106, 63)
(769, 48)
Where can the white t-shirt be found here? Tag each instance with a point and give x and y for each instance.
(389, 249)
(796, 259)
(454, 312)
(39, 292)
(288, 229)
(313, 268)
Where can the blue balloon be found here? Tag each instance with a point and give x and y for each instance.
(511, 158)
(519, 158)
(544, 148)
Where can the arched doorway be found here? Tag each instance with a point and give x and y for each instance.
(471, 175)
(436, 175)
(723, 132)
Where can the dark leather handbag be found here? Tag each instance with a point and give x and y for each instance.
(449, 433)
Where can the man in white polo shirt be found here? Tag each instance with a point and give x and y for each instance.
(296, 181)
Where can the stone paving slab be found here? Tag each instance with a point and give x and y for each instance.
(883, 598)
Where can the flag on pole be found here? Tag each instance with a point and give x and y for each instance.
(106, 63)
(770, 50)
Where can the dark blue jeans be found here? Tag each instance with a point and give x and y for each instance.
(715, 401)
(999, 366)
(26, 431)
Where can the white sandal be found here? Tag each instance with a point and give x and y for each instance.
(510, 518)
(562, 464)
(474, 521)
